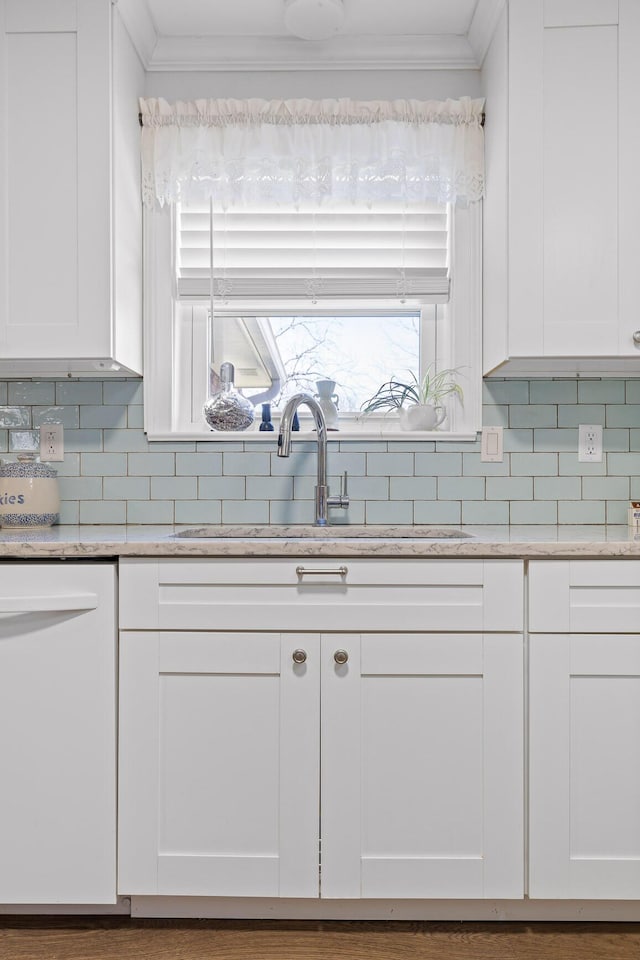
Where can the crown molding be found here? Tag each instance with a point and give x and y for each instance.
(340, 53)
(483, 26)
(140, 27)
(426, 52)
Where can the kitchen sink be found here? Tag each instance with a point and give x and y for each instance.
(331, 532)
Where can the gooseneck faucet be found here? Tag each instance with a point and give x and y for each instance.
(323, 500)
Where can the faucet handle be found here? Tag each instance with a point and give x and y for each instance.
(343, 499)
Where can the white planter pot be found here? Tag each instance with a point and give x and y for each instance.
(421, 416)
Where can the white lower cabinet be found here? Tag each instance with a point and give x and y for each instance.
(57, 733)
(421, 764)
(313, 761)
(585, 729)
(219, 771)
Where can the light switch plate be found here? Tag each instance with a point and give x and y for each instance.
(491, 445)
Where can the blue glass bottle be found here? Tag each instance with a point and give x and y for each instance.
(266, 418)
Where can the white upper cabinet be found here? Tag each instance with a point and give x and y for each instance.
(70, 247)
(561, 283)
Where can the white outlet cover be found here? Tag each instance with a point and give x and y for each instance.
(590, 443)
(51, 442)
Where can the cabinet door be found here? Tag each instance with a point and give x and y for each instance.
(422, 766)
(219, 776)
(585, 775)
(574, 192)
(55, 248)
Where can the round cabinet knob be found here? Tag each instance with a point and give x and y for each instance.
(636, 337)
(341, 656)
(299, 656)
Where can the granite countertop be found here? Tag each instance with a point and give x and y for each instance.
(161, 541)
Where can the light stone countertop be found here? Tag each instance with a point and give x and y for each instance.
(161, 541)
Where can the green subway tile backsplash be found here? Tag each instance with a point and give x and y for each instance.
(619, 415)
(554, 391)
(533, 512)
(31, 392)
(533, 415)
(509, 488)
(403, 488)
(506, 391)
(605, 488)
(581, 511)
(571, 414)
(437, 511)
(534, 464)
(601, 391)
(558, 488)
(245, 511)
(112, 474)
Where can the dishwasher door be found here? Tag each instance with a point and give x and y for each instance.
(57, 732)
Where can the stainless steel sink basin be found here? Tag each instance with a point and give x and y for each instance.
(331, 532)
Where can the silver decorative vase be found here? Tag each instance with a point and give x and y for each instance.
(228, 409)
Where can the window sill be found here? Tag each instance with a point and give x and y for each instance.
(253, 436)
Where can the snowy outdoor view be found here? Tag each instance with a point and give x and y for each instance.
(359, 353)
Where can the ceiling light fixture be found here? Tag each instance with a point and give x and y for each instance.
(313, 19)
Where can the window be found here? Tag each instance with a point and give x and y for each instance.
(331, 267)
(282, 342)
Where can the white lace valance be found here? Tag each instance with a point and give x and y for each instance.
(292, 151)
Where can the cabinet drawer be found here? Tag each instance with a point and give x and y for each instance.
(584, 596)
(328, 594)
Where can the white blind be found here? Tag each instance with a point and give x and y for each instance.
(328, 253)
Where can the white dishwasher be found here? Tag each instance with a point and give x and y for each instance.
(57, 732)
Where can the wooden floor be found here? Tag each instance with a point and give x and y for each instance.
(27, 938)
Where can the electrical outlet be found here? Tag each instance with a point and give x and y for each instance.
(51, 441)
(590, 443)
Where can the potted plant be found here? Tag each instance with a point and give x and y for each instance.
(417, 402)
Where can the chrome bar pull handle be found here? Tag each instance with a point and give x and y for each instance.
(322, 571)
